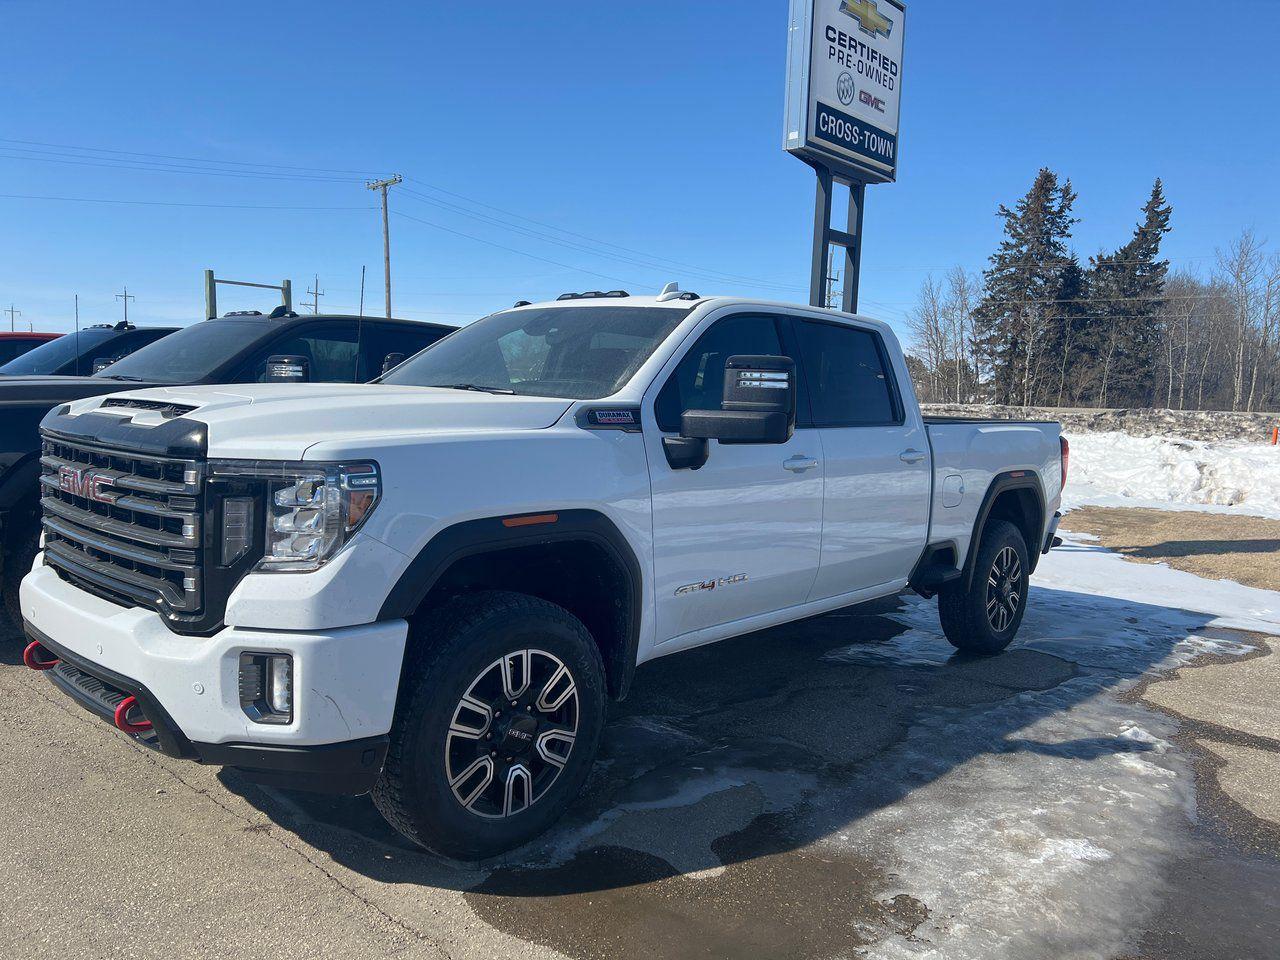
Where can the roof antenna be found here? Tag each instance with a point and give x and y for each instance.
(670, 292)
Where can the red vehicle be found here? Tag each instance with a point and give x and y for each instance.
(16, 344)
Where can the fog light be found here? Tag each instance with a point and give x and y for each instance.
(280, 685)
(266, 687)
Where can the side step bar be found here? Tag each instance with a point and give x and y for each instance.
(929, 579)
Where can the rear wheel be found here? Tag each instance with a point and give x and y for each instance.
(984, 618)
(501, 711)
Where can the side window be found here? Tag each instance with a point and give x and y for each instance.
(698, 382)
(848, 377)
(13, 348)
(125, 344)
(377, 340)
(330, 348)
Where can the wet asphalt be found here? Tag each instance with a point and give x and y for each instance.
(843, 787)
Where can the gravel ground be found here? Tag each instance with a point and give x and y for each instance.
(1214, 546)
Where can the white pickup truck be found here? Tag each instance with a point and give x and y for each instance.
(430, 587)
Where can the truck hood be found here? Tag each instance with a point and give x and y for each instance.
(280, 421)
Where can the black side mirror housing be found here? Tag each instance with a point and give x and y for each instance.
(759, 404)
(391, 361)
(287, 369)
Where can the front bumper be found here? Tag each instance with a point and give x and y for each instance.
(345, 684)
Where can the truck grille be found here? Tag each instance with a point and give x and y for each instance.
(123, 525)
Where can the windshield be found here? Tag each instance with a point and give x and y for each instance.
(190, 354)
(52, 356)
(578, 353)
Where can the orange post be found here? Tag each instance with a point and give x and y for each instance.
(1275, 435)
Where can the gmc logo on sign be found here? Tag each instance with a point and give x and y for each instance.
(85, 483)
(871, 101)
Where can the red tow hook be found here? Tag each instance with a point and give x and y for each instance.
(122, 717)
(31, 656)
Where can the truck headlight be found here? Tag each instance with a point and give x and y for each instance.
(312, 509)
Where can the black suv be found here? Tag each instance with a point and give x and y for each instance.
(238, 348)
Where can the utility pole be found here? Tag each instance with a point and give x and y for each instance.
(832, 279)
(386, 231)
(316, 294)
(12, 314)
(126, 297)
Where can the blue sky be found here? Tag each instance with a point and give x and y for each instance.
(655, 127)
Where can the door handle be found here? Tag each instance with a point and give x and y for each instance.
(799, 463)
(911, 455)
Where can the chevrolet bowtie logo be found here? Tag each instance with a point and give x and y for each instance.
(870, 20)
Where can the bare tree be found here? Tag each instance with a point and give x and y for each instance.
(1240, 266)
(929, 336)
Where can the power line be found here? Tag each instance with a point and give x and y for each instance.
(593, 246)
(523, 253)
(172, 203)
(162, 156)
(143, 166)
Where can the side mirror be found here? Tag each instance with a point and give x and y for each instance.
(287, 369)
(101, 363)
(391, 361)
(759, 403)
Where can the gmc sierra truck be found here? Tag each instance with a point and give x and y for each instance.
(242, 347)
(430, 587)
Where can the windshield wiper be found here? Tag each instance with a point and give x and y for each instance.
(473, 386)
(123, 376)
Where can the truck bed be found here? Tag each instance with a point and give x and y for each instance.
(968, 453)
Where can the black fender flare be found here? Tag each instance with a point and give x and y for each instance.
(491, 534)
(1003, 483)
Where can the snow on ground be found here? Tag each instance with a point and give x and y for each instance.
(1035, 825)
(1172, 473)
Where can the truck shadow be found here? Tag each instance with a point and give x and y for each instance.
(733, 768)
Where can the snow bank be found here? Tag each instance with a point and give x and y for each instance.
(1172, 473)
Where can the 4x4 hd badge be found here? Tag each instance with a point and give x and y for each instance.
(710, 584)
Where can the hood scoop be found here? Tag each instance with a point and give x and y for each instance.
(165, 408)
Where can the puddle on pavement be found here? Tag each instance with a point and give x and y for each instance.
(772, 900)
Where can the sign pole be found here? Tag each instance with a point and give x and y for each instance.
(844, 91)
(821, 237)
(853, 252)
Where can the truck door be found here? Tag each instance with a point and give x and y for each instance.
(875, 513)
(740, 535)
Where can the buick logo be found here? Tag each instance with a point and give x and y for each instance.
(844, 88)
(85, 483)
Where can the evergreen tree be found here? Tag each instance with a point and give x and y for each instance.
(1126, 297)
(1022, 288)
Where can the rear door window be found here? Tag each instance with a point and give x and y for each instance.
(329, 349)
(848, 374)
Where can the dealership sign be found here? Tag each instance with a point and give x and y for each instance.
(844, 83)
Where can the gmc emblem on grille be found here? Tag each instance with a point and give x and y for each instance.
(85, 483)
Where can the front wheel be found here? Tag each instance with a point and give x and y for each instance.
(501, 710)
(984, 618)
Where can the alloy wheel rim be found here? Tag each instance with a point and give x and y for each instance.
(1004, 589)
(511, 734)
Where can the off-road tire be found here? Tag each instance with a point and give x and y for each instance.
(964, 612)
(449, 648)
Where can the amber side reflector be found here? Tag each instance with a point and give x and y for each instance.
(530, 520)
